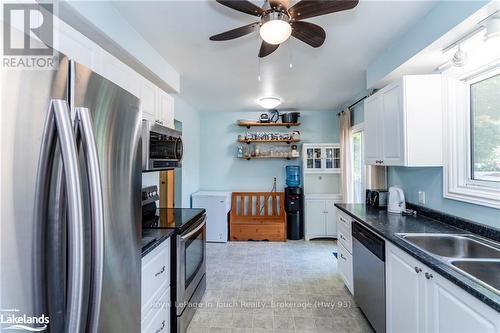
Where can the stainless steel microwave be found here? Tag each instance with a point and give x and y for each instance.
(162, 147)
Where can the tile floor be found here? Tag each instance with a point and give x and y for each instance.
(275, 287)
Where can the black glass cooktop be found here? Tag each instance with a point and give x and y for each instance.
(176, 218)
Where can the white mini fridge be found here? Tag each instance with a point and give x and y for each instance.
(217, 204)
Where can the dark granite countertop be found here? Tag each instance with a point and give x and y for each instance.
(387, 225)
(159, 234)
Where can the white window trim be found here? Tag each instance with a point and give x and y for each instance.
(457, 182)
(356, 129)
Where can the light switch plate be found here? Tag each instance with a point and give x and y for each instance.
(421, 197)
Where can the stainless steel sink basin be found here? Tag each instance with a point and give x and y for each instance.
(486, 271)
(470, 255)
(454, 245)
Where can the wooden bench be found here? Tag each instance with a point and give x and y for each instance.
(257, 216)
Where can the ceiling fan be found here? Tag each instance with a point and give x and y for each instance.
(278, 22)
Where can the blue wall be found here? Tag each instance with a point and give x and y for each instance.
(221, 170)
(430, 180)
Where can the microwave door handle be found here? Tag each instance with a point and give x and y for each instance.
(85, 128)
(58, 124)
(191, 233)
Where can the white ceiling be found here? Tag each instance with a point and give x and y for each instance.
(222, 76)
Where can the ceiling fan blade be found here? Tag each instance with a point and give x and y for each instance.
(309, 33)
(310, 8)
(279, 4)
(243, 6)
(266, 49)
(238, 32)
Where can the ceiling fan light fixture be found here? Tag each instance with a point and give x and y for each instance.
(275, 28)
(269, 103)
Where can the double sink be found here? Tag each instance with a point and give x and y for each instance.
(474, 256)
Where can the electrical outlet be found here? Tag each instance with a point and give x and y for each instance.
(274, 180)
(421, 197)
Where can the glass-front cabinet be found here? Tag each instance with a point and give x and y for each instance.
(321, 157)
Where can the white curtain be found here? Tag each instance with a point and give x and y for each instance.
(345, 133)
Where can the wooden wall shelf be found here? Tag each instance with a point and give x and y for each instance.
(249, 141)
(249, 124)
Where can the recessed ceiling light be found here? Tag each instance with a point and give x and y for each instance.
(269, 102)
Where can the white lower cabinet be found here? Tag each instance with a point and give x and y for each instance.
(344, 244)
(344, 261)
(420, 300)
(155, 289)
(320, 218)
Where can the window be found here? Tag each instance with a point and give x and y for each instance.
(485, 129)
(471, 170)
(358, 164)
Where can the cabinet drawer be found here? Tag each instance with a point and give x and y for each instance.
(344, 232)
(155, 271)
(345, 267)
(158, 319)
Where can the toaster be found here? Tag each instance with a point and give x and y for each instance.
(377, 198)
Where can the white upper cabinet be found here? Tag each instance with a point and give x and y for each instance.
(157, 105)
(403, 123)
(165, 109)
(147, 94)
(373, 129)
(321, 158)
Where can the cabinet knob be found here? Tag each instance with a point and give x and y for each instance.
(342, 256)
(428, 276)
(418, 269)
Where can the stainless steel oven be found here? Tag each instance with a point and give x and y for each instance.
(190, 272)
(162, 148)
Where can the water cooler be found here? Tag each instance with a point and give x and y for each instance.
(294, 204)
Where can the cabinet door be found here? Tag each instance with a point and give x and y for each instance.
(315, 218)
(392, 135)
(331, 218)
(373, 130)
(314, 156)
(345, 267)
(147, 92)
(165, 108)
(451, 309)
(405, 295)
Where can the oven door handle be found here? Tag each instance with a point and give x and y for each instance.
(191, 233)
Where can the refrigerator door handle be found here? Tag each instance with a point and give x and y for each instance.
(84, 127)
(58, 124)
(71, 168)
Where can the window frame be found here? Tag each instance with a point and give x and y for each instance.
(458, 183)
(356, 129)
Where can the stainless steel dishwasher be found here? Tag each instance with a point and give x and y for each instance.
(368, 255)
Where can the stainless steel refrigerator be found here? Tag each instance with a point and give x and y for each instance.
(70, 200)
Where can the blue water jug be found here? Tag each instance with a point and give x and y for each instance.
(293, 175)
